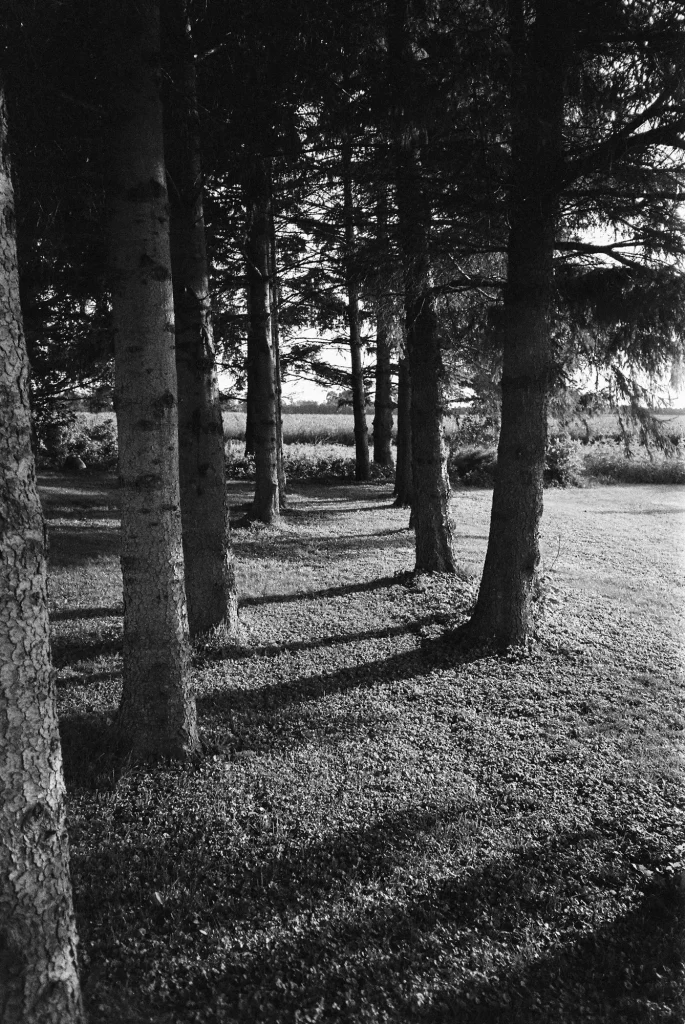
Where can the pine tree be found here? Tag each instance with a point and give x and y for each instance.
(434, 551)
(575, 158)
(38, 970)
(157, 711)
(260, 340)
(209, 574)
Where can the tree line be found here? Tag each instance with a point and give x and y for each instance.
(495, 189)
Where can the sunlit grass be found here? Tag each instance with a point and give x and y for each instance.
(380, 829)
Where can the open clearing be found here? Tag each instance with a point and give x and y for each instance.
(382, 831)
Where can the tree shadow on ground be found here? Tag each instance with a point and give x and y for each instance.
(91, 754)
(638, 511)
(289, 548)
(83, 512)
(69, 650)
(412, 626)
(430, 656)
(381, 583)
(614, 973)
(76, 545)
(74, 614)
(85, 679)
(293, 512)
(419, 951)
(628, 971)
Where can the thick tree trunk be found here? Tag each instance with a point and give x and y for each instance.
(404, 490)
(503, 610)
(157, 711)
(38, 970)
(250, 398)
(383, 404)
(424, 354)
(266, 505)
(275, 302)
(362, 469)
(209, 573)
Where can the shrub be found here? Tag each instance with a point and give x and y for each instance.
(304, 462)
(474, 465)
(563, 462)
(92, 438)
(472, 429)
(607, 463)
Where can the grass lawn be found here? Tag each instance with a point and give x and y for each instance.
(380, 830)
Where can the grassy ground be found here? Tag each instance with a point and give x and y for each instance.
(381, 831)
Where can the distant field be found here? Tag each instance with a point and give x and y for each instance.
(334, 428)
(303, 427)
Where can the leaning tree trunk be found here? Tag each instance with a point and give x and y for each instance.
(157, 712)
(38, 970)
(404, 490)
(275, 306)
(266, 505)
(362, 466)
(503, 609)
(383, 404)
(424, 354)
(209, 573)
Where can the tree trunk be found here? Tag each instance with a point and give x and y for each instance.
(38, 971)
(209, 573)
(404, 490)
(157, 711)
(275, 301)
(266, 505)
(503, 609)
(362, 469)
(383, 404)
(424, 355)
(250, 399)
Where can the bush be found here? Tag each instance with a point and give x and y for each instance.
(92, 438)
(472, 429)
(563, 462)
(474, 465)
(607, 463)
(304, 462)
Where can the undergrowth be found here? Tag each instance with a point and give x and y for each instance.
(320, 450)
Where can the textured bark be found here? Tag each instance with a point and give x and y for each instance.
(209, 573)
(266, 505)
(38, 970)
(275, 302)
(503, 609)
(431, 521)
(250, 398)
(404, 490)
(157, 711)
(362, 467)
(383, 403)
